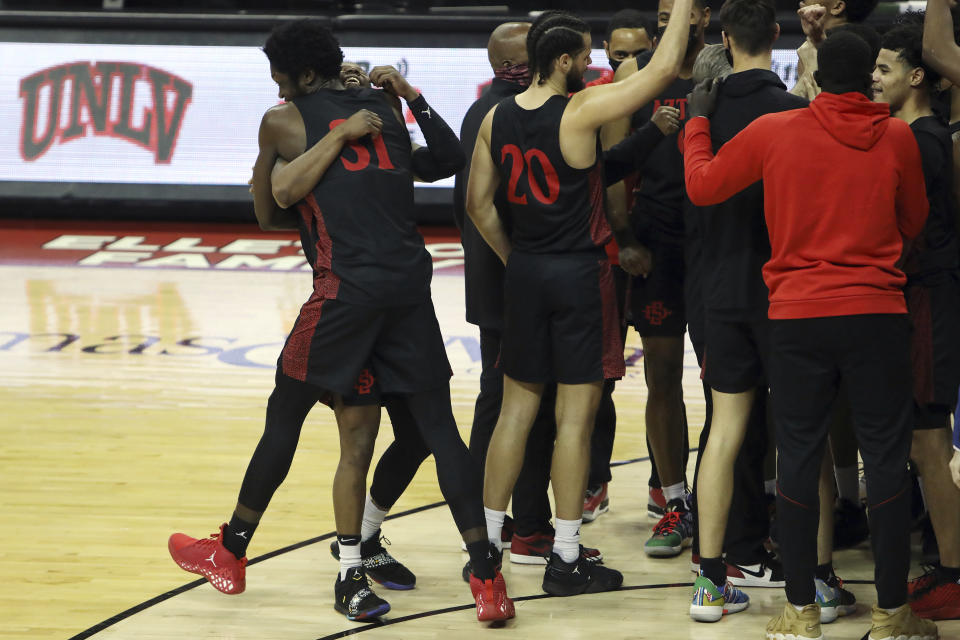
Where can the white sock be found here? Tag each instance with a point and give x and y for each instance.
(494, 526)
(349, 557)
(372, 519)
(797, 607)
(673, 492)
(848, 483)
(566, 540)
(770, 487)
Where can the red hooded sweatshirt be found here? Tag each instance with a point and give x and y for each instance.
(843, 187)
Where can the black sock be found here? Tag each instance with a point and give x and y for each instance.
(950, 574)
(237, 535)
(824, 571)
(482, 560)
(715, 569)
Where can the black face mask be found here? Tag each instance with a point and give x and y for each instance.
(691, 41)
(615, 64)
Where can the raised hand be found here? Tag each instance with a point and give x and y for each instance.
(391, 80)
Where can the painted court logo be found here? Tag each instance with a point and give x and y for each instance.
(127, 100)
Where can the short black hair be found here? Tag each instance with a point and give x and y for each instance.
(844, 64)
(555, 41)
(907, 41)
(543, 23)
(751, 23)
(859, 10)
(629, 19)
(293, 47)
(870, 35)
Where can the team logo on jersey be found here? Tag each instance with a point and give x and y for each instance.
(656, 313)
(365, 382)
(103, 99)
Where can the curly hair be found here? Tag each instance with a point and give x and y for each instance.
(907, 40)
(294, 47)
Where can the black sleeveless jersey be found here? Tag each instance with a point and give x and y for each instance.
(554, 208)
(357, 226)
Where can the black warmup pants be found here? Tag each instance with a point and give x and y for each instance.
(531, 504)
(809, 360)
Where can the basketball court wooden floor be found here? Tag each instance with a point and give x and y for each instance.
(135, 363)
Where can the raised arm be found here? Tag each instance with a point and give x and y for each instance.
(481, 188)
(282, 135)
(443, 156)
(595, 106)
(292, 182)
(940, 50)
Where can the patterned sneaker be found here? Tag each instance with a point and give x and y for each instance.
(768, 573)
(354, 599)
(673, 532)
(491, 597)
(595, 503)
(834, 600)
(570, 579)
(796, 625)
(709, 603)
(379, 565)
(938, 598)
(209, 558)
(902, 623)
(656, 503)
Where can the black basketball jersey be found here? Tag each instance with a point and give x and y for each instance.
(554, 208)
(357, 226)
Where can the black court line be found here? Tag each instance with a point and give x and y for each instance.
(466, 607)
(123, 615)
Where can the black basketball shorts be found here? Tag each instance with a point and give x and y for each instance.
(561, 321)
(657, 306)
(361, 352)
(736, 353)
(934, 309)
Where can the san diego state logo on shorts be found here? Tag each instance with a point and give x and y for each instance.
(656, 313)
(365, 382)
(127, 100)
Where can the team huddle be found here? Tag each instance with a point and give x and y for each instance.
(806, 240)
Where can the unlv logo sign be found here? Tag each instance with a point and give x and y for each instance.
(101, 102)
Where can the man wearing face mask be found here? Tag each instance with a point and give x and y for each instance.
(657, 300)
(628, 35)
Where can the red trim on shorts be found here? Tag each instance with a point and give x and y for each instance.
(326, 284)
(921, 343)
(612, 359)
(600, 231)
(296, 353)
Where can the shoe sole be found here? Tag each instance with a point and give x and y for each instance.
(520, 558)
(564, 591)
(395, 586)
(366, 616)
(190, 567)
(756, 582)
(702, 613)
(655, 511)
(828, 614)
(903, 637)
(667, 552)
(790, 636)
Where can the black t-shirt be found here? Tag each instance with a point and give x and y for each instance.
(658, 203)
(554, 208)
(735, 240)
(357, 227)
(935, 249)
(482, 269)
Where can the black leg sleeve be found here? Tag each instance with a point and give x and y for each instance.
(400, 462)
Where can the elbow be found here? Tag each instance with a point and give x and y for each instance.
(282, 196)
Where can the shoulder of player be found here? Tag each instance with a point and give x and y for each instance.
(279, 113)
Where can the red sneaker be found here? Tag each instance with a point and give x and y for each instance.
(656, 503)
(492, 600)
(210, 559)
(924, 582)
(595, 503)
(532, 549)
(939, 600)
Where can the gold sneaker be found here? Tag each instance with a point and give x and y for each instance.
(902, 623)
(796, 625)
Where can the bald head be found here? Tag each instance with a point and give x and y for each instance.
(508, 45)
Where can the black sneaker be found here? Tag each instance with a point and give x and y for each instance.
(570, 579)
(497, 559)
(850, 524)
(380, 566)
(354, 599)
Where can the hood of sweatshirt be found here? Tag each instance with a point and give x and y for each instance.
(851, 118)
(745, 83)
